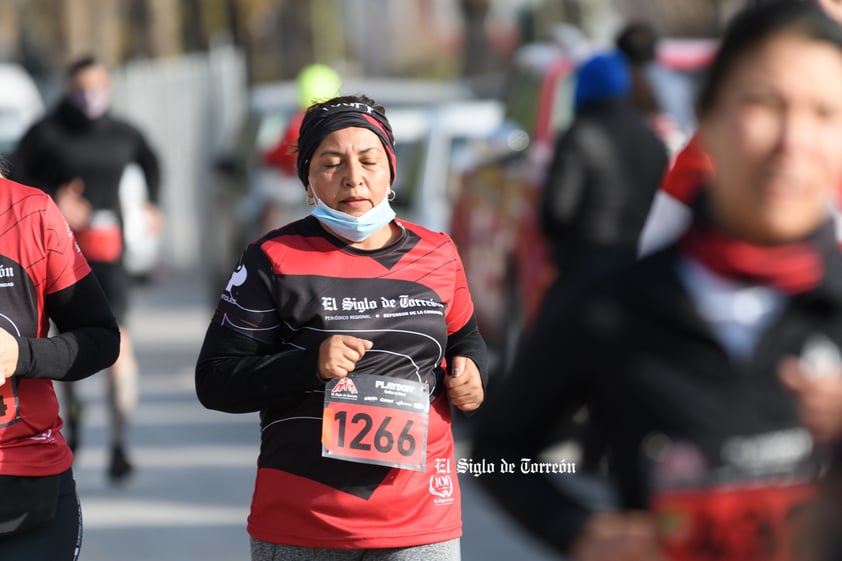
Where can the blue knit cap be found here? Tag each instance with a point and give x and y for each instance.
(603, 76)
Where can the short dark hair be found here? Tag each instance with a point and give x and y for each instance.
(758, 23)
(79, 64)
(637, 41)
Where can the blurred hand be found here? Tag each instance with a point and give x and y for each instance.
(819, 399)
(464, 384)
(75, 208)
(624, 536)
(339, 354)
(8, 355)
(153, 218)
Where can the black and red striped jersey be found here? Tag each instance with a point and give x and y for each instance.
(38, 257)
(292, 289)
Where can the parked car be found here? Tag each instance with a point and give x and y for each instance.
(431, 121)
(431, 144)
(495, 218)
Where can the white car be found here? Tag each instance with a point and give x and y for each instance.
(430, 143)
(20, 105)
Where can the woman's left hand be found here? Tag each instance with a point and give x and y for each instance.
(8, 355)
(464, 384)
(819, 399)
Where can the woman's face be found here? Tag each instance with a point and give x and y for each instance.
(349, 171)
(775, 135)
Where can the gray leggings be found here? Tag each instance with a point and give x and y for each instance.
(442, 551)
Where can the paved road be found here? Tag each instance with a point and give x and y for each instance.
(195, 468)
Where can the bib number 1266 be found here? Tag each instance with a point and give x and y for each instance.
(376, 421)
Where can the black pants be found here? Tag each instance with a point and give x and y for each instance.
(56, 540)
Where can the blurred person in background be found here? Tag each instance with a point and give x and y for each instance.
(43, 277)
(316, 82)
(606, 168)
(670, 214)
(711, 369)
(77, 154)
(327, 314)
(662, 96)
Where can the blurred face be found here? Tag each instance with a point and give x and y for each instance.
(90, 90)
(775, 135)
(833, 8)
(349, 171)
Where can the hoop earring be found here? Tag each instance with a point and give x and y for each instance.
(310, 200)
(391, 195)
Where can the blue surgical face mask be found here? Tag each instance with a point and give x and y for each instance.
(354, 228)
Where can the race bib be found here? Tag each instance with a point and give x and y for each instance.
(749, 523)
(376, 420)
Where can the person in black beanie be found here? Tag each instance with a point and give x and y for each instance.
(347, 318)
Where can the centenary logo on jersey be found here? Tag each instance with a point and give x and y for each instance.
(345, 385)
(441, 486)
(441, 483)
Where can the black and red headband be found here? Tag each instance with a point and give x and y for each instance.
(321, 121)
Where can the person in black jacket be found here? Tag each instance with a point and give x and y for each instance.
(711, 370)
(78, 154)
(606, 169)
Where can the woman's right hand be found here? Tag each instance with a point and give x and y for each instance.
(8, 355)
(618, 536)
(339, 354)
(75, 208)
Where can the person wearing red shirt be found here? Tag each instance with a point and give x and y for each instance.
(353, 333)
(316, 82)
(43, 278)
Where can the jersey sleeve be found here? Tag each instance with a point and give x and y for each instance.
(243, 366)
(463, 335)
(670, 215)
(147, 159)
(689, 171)
(65, 263)
(668, 219)
(247, 305)
(461, 308)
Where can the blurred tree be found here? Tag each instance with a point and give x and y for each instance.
(9, 28)
(328, 35)
(193, 25)
(234, 22)
(295, 41)
(137, 43)
(150, 29)
(91, 27)
(479, 57)
(681, 18)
